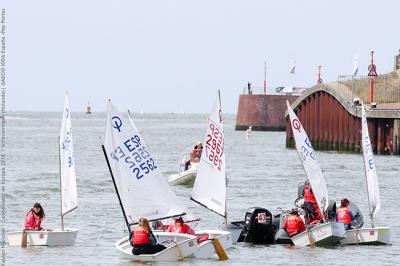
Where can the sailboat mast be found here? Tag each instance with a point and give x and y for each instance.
(226, 209)
(219, 98)
(226, 181)
(116, 189)
(59, 168)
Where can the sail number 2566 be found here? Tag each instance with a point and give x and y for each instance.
(214, 145)
(135, 156)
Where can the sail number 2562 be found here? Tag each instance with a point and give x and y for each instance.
(214, 145)
(135, 156)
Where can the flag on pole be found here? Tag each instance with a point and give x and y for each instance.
(292, 66)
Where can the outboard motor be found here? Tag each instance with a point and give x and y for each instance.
(258, 226)
(277, 220)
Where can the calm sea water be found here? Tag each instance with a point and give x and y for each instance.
(261, 172)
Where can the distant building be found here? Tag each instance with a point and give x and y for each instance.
(265, 111)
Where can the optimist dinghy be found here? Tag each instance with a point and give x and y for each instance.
(68, 194)
(373, 235)
(327, 233)
(209, 189)
(184, 177)
(141, 188)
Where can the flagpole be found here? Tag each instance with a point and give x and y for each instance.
(265, 79)
(292, 71)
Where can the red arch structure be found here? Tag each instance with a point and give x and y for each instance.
(333, 121)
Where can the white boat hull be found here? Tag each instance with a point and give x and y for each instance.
(44, 238)
(321, 235)
(368, 236)
(184, 178)
(178, 246)
(206, 248)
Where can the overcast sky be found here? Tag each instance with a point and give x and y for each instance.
(168, 56)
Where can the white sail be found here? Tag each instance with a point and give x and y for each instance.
(309, 160)
(69, 197)
(209, 188)
(143, 190)
(370, 169)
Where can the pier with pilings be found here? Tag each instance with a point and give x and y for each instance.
(331, 114)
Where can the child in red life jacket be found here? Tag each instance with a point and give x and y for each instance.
(294, 224)
(143, 240)
(34, 218)
(344, 214)
(310, 206)
(180, 227)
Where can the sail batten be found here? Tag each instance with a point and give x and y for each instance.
(143, 190)
(209, 189)
(69, 196)
(370, 168)
(309, 160)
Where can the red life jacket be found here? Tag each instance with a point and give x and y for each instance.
(32, 222)
(294, 224)
(343, 215)
(308, 195)
(140, 237)
(183, 229)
